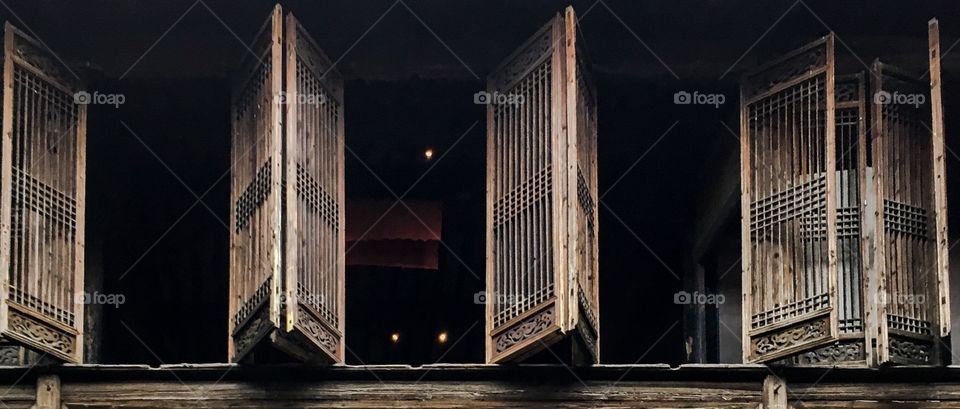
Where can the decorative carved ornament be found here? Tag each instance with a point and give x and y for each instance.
(790, 337)
(37, 332)
(526, 329)
(34, 54)
(909, 350)
(258, 326)
(10, 355)
(835, 353)
(316, 331)
(787, 70)
(539, 48)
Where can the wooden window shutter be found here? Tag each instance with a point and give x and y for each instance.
(542, 198)
(911, 242)
(286, 253)
(853, 235)
(789, 204)
(42, 180)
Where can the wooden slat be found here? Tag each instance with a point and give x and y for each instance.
(939, 181)
(6, 173)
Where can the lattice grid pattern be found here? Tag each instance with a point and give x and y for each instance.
(789, 165)
(523, 198)
(316, 151)
(43, 250)
(902, 156)
(254, 195)
(792, 310)
(255, 145)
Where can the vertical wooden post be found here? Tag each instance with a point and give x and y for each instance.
(275, 150)
(48, 392)
(490, 272)
(774, 393)
(831, 188)
(558, 202)
(939, 182)
(746, 257)
(6, 171)
(289, 157)
(570, 197)
(877, 327)
(80, 231)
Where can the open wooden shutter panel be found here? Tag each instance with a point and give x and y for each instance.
(844, 232)
(287, 249)
(911, 242)
(42, 180)
(789, 218)
(542, 198)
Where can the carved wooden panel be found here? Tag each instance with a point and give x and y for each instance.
(288, 244)
(852, 176)
(541, 183)
(892, 302)
(314, 219)
(43, 178)
(910, 198)
(256, 192)
(790, 204)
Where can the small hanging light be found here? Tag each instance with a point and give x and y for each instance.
(395, 337)
(442, 337)
(428, 153)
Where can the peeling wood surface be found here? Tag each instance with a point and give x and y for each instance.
(453, 386)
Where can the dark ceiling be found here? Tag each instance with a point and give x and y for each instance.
(393, 39)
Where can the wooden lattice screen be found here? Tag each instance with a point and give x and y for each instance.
(852, 175)
(911, 243)
(286, 252)
(863, 282)
(314, 195)
(541, 197)
(42, 176)
(789, 185)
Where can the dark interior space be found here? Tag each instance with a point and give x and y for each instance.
(158, 165)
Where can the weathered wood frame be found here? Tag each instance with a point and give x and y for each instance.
(34, 328)
(911, 347)
(265, 316)
(290, 316)
(315, 337)
(750, 94)
(534, 327)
